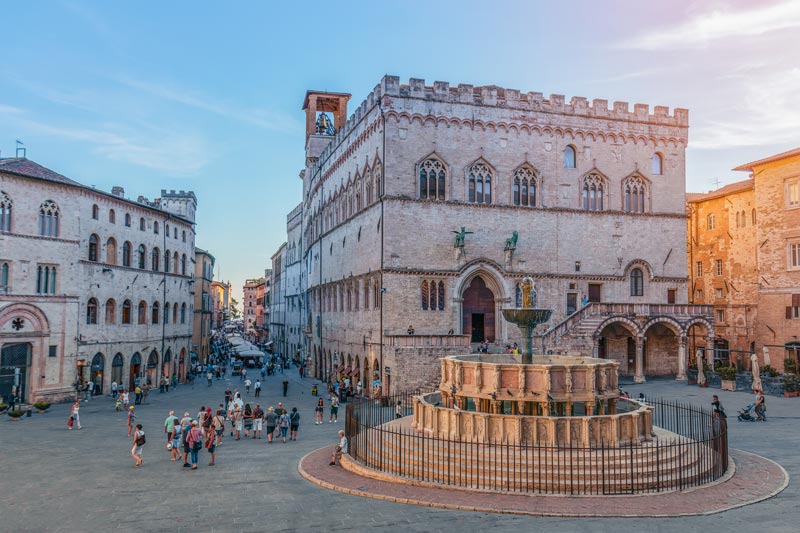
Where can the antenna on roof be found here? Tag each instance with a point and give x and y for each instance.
(714, 182)
(21, 149)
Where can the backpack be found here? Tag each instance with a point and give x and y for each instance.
(141, 440)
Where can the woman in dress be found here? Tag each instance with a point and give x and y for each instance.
(138, 445)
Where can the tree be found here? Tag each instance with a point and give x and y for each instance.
(235, 313)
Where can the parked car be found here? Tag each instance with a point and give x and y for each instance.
(236, 368)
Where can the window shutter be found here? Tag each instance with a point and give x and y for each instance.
(788, 312)
(795, 300)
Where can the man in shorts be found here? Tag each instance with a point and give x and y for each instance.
(258, 421)
(334, 409)
(271, 419)
(219, 425)
(186, 425)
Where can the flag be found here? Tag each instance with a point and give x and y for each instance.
(20, 142)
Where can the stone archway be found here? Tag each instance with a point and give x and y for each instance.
(134, 375)
(662, 352)
(616, 340)
(97, 373)
(152, 370)
(24, 344)
(478, 317)
(117, 369)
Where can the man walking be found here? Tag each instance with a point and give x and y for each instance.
(247, 384)
(258, 387)
(169, 423)
(114, 389)
(285, 385)
(209, 377)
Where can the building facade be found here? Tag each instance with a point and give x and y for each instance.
(425, 209)
(294, 287)
(203, 304)
(277, 311)
(93, 286)
(745, 259)
(220, 306)
(256, 314)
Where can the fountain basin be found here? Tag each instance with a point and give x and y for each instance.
(527, 317)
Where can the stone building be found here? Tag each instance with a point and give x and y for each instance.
(745, 259)
(277, 308)
(424, 210)
(256, 315)
(93, 286)
(203, 304)
(220, 306)
(293, 288)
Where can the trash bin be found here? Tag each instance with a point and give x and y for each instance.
(28, 412)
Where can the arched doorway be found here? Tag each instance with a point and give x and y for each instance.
(134, 376)
(166, 367)
(660, 350)
(96, 372)
(477, 311)
(152, 369)
(182, 365)
(15, 365)
(117, 365)
(617, 341)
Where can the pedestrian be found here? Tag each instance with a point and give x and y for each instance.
(138, 445)
(75, 414)
(89, 390)
(237, 421)
(247, 415)
(334, 409)
(219, 425)
(761, 406)
(114, 389)
(145, 392)
(195, 441)
(169, 424)
(175, 440)
(209, 378)
(319, 411)
(398, 409)
(301, 369)
(285, 385)
(131, 420)
(186, 425)
(137, 395)
(201, 416)
(247, 384)
(294, 424)
(719, 411)
(270, 418)
(284, 424)
(126, 399)
(12, 399)
(258, 387)
(258, 421)
(211, 446)
(339, 449)
(228, 397)
(359, 388)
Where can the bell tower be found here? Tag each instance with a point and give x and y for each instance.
(325, 114)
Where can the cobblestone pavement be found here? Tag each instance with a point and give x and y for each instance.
(52, 479)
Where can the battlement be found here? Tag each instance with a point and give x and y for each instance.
(179, 194)
(294, 212)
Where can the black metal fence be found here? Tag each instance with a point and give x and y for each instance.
(695, 453)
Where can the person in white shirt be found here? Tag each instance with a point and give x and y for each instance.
(339, 449)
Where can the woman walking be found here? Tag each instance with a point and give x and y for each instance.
(175, 441)
(131, 419)
(319, 411)
(138, 445)
(195, 441)
(247, 415)
(211, 446)
(294, 424)
(284, 424)
(75, 414)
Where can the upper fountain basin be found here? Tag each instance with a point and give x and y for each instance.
(527, 317)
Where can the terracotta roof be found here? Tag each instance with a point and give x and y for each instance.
(770, 159)
(722, 191)
(25, 167)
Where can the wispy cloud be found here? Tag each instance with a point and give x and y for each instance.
(720, 24)
(257, 117)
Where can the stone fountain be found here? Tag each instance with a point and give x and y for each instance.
(527, 318)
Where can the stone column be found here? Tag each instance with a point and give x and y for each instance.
(589, 408)
(681, 359)
(596, 347)
(638, 377)
(710, 351)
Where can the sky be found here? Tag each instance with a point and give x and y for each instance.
(207, 96)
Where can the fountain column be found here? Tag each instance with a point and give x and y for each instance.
(681, 359)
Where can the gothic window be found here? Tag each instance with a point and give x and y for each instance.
(127, 220)
(95, 212)
(93, 243)
(111, 251)
(155, 259)
(341, 298)
(432, 295)
(183, 313)
(175, 263)
(349, 298)
(126, 312)
(91, 311)
(155, 227)
(126, 254)
(184, 235)
(166, 230)
(637, 282)
(658, 163)
(166, 313)
(711, 222)
(479, 181)
(183, 264)
(141, 255)
(634, 190)
(154, 317)
(432, 180)
(376, 296)
(4, 278)
(593, 190)
(569, 157)
(356, 291)
(174, 233)
(441, 296)
(48, 219)
(46, 279)
(366, 294)
(424, 295)
(518, 296)
(5, 212)
(167, 257)
(112, 216)
(369, 191)
(111, 311)
(142, 312)
(377, 175)
(524, 187)
(142, 224)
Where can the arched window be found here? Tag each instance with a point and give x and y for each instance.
(112, 216)
(377, 175)
(93, 243)
(142, 312)
(5, 212)
(167, 257)
(91, 311)
(111, 251)
(166, 230)
(479, 182)
(141, 256)
(166, 313)
(593, 190)
(142, 224)
(637, 282)
(155, 259)
(184, 235)
(376, 295)
(46, 280)
(154, 318)
(744, 219)
(48, 219)
(440, 297)
(524, 187)
(658, 163)
(126, 254)
(95, 212)
(432, 180)
(175, 263)
(183, 313)
(127, 220)
(366, 294)
(155, 227)
(175, 314)
(424, 295)
(753, 216)
(111, 311)
(183, 264)
(569, 157)
(174, 233)
(126, 312)
(634, 191)
(4, 278)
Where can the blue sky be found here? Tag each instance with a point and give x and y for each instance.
(206, 96)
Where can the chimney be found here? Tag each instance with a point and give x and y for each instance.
(116, 190)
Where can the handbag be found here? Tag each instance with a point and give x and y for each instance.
(70, 422)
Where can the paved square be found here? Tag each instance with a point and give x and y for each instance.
(52, 479)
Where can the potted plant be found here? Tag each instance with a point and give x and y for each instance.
(3, 407)
(41, 407)
(767, 370)
(728, 376)
(791, 385)
(790, 365)
(15, 414)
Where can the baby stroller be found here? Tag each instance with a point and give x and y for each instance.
(747, 414)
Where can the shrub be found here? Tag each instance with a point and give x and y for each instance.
(728, 373)
(790, 365)
(41, 406)
(767, 369)
(15, 413)
(3, 407)
(791, 382)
